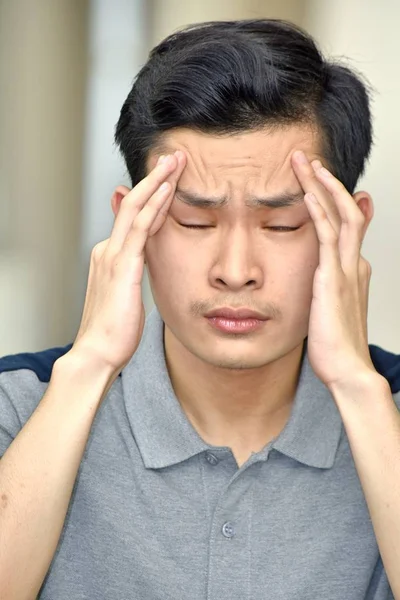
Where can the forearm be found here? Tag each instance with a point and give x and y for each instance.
(372, 423)
(37, 475)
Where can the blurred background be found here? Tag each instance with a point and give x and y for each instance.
(66, 67)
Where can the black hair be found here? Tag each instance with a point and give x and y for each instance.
(226, 77)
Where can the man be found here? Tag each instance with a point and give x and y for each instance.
(244, 441)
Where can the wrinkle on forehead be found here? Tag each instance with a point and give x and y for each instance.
(255, 160)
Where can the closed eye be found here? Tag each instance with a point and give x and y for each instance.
(195, 226)
(276, 228)
(282, 228)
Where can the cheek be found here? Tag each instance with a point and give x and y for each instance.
(174, 262)
(290, 272)
(301, 277)
(169, 260)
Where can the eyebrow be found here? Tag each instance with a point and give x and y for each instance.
(283, 200)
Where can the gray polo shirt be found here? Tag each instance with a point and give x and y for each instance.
(158, 514)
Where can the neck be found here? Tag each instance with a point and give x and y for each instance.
(242, 409)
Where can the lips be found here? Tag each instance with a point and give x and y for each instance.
(236, 320)
(237, 314)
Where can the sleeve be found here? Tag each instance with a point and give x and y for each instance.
(396, 398)
(20, 394)
(10, 423)
(388, 365)
(24, 378)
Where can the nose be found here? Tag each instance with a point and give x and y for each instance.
(235, 266)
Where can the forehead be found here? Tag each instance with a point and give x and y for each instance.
(246, 161)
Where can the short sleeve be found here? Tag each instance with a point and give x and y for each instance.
(10, 424)
(23, 381)
(20, 394)
(388, 365)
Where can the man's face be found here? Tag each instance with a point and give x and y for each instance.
(238, 260)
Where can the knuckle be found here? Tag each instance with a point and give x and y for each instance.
(141, 223)
(329, 234)
(332, 236)
(130, 200)
(98, 251)
(331, 239)
(136, 227)
(365, 268)
(358, 219)
(163, 212)
(110, 260)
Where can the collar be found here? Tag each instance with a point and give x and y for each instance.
(312, 434)
(165, 436)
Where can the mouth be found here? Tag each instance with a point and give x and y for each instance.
(240, 320)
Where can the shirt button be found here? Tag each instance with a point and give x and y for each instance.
(228, 529)
(212, 459)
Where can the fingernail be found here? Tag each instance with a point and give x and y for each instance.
(301, 157)
(167, 160)
(316, 164)
(160, 159)
(177, 153)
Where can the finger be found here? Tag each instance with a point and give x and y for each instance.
(352, 221)
(174, 177)
(133, 202)
(305, 173)
(137, 237)
(173, 180)
(329, 258)
(365, 272)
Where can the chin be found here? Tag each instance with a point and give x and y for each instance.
(237, 364)
(239, 360)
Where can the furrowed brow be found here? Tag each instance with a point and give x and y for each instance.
(278, 201)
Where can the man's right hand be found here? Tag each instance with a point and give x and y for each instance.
(113, 315)
(38, 470)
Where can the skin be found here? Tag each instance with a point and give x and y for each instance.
(237, 390)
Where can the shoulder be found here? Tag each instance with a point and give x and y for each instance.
(39, 363)
(23, 381)
(388, 365)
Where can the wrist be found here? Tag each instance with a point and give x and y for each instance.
(359, 383)
(85, 368)
(360, 387)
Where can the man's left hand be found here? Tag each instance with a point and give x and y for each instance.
(337, 336)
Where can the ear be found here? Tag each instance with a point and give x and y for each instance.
(366, 205)
(118, 195)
